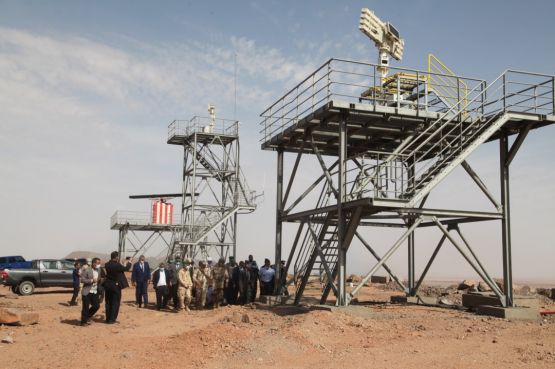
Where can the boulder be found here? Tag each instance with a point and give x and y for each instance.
(8, 339)
(17, 317)
(245, 319)
(383, 279)
(483, 287)
(466, 284)
(353, 278)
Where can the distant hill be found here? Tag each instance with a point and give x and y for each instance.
(105, 257)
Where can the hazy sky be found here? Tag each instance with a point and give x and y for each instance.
(87, 90)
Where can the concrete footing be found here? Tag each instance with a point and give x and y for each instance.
(420, 300)
(512, 313)
(475, 299)
(273, 300)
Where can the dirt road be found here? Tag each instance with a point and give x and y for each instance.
(376, 335)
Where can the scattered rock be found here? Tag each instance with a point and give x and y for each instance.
(245, 319)
(8, 339)
(17, 317)
(446, 301)
(467, 284)
(353, 278)
(483, 287)
(379, 279)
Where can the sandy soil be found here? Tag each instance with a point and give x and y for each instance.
(370, 335)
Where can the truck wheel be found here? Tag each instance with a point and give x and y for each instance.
(26, 288)
(14, 289)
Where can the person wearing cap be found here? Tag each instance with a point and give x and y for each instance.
(161, 283)
(253, 280)
(230, 292)
(200, 280)
(185, 286)
(173, 269)
(266, 276)
(220, 278)
(242, 279)
(209, 290)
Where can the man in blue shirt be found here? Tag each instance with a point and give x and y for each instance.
(266, 275)
(140, 277)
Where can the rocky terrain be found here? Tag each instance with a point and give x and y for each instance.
(372, 334)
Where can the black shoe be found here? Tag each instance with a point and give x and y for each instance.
(140, 306)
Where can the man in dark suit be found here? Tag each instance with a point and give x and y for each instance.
(115, 282)
(140, 277)
(161, 282)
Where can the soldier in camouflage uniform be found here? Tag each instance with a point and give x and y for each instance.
(200, 279)
(185, 283)
(220, 277)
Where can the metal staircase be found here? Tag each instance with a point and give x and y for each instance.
(430, 155)
(318, 249)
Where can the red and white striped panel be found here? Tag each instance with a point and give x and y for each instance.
(162, 212)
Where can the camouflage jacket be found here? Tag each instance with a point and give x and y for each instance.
(184, 278)
(220, 275)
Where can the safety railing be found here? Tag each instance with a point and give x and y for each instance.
(450, 90)
(444, 139)
(203, 125)
(138, 218)
(360, 82)
(377, 174)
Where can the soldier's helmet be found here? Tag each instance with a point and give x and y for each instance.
(188, 261)
(221, 261)
(201, 264)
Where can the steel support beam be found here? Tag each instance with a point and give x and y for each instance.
(469, 261)
(428, 265)
(293, 174)
(506, 220)
(516, 145)
(341, 299)
(279, 223)
(481, 184)
(411, 241)
(385, 258)
(492, 282)
(378, 258)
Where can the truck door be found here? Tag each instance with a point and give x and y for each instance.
(66, 273)
(48, 270)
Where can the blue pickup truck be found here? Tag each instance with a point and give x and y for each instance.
(14, 262)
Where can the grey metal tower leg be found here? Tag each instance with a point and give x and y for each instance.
(411, 274)
(506, 220)
(279, 224)
(342, 248)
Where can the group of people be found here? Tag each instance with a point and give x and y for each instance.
(205, 284)
(180, 281)
(98, 284)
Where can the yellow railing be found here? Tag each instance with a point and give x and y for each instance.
(450, 89)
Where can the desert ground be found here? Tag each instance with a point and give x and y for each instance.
(371, 334)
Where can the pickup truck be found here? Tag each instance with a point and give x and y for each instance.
(14, 262)
(43, 273)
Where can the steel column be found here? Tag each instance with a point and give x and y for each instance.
(506, 220)
(279, 224)
(341, 224)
